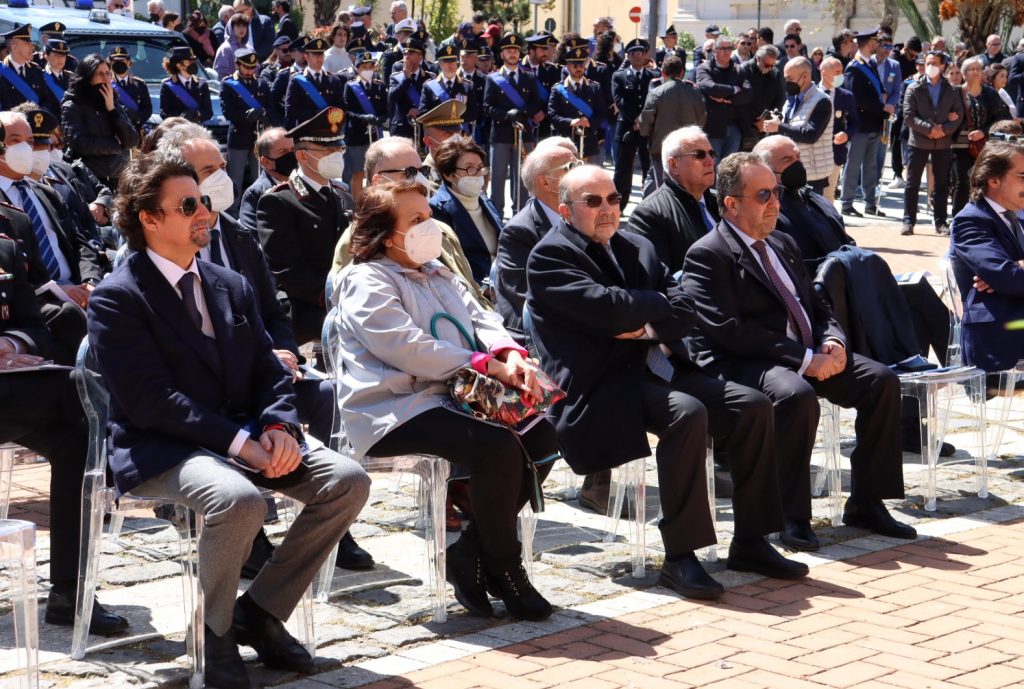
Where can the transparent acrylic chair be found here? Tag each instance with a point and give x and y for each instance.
(98, 500)
(7, 451)
(18, 563)
(829, 476)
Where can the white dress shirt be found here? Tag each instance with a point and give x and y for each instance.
(14, 194)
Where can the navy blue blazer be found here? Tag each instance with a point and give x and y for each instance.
(844, 114)
(171, 105)
(170, 392)
(449, 209)
(981, 244)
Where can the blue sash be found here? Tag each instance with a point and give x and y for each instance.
(870, 74)
(439, 90)
(362, 97)
(575, 101)
(125, 97)
(310, 90)
(509, 90)
(15, 79)
(410, 90)
(182, 94)
(51, 81)
(243, 93)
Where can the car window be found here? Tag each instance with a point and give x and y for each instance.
(147, 53)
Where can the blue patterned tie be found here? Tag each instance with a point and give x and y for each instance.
(45, 248)
(708, 225)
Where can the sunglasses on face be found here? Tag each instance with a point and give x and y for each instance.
(570, 165)
(409, 172)
(190, 204)
(700, 154)
(763, 195)
(594, 201)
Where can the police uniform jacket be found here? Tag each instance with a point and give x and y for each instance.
(299, 107)
(460, 89)
(498, 106)
(62, 81)
(664, 52)
(171, 105)
(10, 96)
(241, 115)
(279, 81)
(401, 100)
(868, 94)
(629, 91)
(356, 119)
(561, 113)
(136, 88)
(388, 59)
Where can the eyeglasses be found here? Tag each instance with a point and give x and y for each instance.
(763, 195)
(791, 46)
(594, 201)
(570, 165)
(190, 204)
(700, 154)
(474, 170)
(725, 48)
(409, 172)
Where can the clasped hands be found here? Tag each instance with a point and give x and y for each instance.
(827, 362)
(519, 373)
(275, 454)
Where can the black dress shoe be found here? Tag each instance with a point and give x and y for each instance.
(508, 579)
(799, 535)
(873, 210)
(873, 516)
(276, 648)
(685, 575)
(757, 555)
(464, 570)
(60, 609)
(351, 556)
(224, 666)
(260, 553)
(853, 212)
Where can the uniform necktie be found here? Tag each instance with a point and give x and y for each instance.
(21, 71)
(45, 247)
(215, 255)
(1011, 217)
(188, 298)
(796, 314)
(512, 78)
(705, 216)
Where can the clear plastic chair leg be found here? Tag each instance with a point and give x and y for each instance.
(618, 485)
(18, 560)
(569, 478)
(435, 478)
(96, 500)
(326, 581)
(116, 524)
(527, 529)
(976, 397)
(832, 469)
(710, 553)
(639, 468)
(301, 621)
(192, 593)
(6, 476)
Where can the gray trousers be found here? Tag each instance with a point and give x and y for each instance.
(333, 490)
(238, 161)
(504, 166)
(862, 167)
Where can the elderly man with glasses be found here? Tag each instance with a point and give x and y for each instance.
(608, 322)
(762, 324)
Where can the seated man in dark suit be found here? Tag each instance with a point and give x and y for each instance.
(987, 244)
(203, 413)
(608, 322)
(276, 155)
(763, 325)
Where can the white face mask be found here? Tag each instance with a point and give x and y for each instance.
(332, 165)
(617, 48)
(933, 71)
(56, 155)
(838, 80)
(454, 137)
(19, 158)
(366, 74)
(40, 162)
(422, 242)
(220, 189)
(470, 186)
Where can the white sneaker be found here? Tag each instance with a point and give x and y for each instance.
(897, 183)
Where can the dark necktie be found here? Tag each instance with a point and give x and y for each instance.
(512, 78)
(215, 255)
(21, 71)
(705, 216)
(46, 249)
(796, 315)
(1018, 234)
(188, 298)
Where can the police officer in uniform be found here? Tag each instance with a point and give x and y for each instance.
(536, 62)
(469, 51)
(49, 32)
(312, 90)
(629, 91)
(183, 94)
(131, 90)
(21, 79)
(450, 86)
(269, 67)
(55, 75)
(405, 90)
(300, 221)
(511, 100)
(577, 106)
(440, 123)
(366, 107)
(669, 38)
(244, 102)
(283, 77)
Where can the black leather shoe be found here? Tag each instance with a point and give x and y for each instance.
(60, 609)
(799, 535)
(260, 553)
(687, 576)
(757, 555)
(853, 213)
(508, 578)
(464, 570)
(873, 516)
(224, 666)
(874, 210)
(276, 648)
(351, 556)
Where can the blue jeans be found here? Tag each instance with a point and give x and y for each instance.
(726, 145)
(862, 163)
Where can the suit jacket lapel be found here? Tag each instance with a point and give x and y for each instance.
(745, 258)
(228, 229)
(788, 262)
(1005, 236)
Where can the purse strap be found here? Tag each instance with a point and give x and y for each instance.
(443, 315)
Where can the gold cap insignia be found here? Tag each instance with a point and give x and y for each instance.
(38, 119)
(335, 116)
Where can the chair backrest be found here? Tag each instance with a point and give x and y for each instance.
(96, 404)
(951, 292)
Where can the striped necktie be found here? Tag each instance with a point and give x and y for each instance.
(45, 247)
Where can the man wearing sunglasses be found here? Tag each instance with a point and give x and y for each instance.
(762, 324)
(608, 322)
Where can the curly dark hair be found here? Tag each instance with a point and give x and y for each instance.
(140, 189)
(375, 217)
(446, 157)
(605, 48)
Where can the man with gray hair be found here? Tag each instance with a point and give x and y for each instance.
(218, 29)
(726, 96)
(767, 92)
(684, 208)
(674, 103)
(608, 321)
(156, 11)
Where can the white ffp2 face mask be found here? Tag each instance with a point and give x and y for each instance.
(933, 71)
(422, 241)
(56, 155)
(470, 186)
(220, 189)
(40, 162)
(332, 165)
(19, 158)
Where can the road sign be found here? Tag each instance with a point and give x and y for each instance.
(634, 15)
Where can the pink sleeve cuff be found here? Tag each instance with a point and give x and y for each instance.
(508, 343)
(479, 362)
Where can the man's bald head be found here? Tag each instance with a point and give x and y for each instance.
(583, 186)
(388, 152)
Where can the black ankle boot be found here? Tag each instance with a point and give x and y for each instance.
(464, 570)
(508, 578)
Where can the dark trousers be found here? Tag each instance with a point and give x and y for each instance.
(498, 481)
(66, 323)
(41, 411)
(818, 185)
(870, 387)
(896, 146)
(682, 414)
(314, 401)
(628, 148)
(941, 160)
(931, 318)
(962, 164)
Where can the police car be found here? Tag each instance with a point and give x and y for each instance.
(94, 30)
